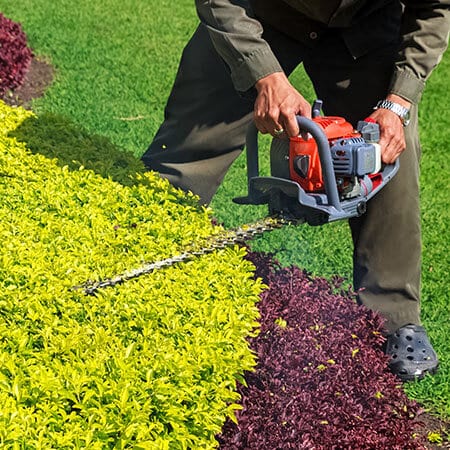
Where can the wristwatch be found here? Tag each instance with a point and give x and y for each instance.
(400, 110)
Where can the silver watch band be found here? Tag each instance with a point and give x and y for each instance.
(396, 108)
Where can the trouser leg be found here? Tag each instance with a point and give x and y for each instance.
(387, 250)
(205, 118)
(387, 240)
(204, 124)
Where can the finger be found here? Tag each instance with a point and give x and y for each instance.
(273, 122)
(291, 126)
(267, 121)
(387, 158)
(305, 110)
(392, 146)
(260, 124)
(391, 152)
(391, 158)
(274, 130)
(386, 150)
(289, 117)
(261, 128)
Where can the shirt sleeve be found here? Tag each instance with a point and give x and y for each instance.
(425, 33)
(237, 37)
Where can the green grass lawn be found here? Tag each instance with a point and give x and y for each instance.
(115, 62)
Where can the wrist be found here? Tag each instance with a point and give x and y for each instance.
(269, 80)
(396, 105)
(399, 100)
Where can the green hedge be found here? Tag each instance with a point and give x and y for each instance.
(149, 364)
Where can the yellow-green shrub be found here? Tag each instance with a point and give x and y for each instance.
(149, 364)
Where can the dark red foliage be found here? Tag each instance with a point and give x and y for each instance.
(322, 381)
(15, 56)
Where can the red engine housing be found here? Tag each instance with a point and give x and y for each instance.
(334, 128)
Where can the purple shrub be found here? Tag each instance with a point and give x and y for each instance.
(15, 56)
(322, 380)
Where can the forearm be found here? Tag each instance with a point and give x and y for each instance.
(237, 37)
(424, 39)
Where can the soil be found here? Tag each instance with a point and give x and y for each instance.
(40, 76)
(432, 424)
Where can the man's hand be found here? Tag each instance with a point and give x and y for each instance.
(277, 104)
(392, 139)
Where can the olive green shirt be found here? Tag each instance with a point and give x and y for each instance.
(420, 26)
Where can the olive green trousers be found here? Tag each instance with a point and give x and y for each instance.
(204, 131)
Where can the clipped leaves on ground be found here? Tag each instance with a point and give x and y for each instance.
(322, 381)
(15, 56)
(149, 364)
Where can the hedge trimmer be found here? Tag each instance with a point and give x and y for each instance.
(326, 174)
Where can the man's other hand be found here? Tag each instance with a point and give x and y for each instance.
(392, 139)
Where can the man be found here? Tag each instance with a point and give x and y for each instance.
(360, 55)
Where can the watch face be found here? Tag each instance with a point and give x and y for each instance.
(406, 118)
